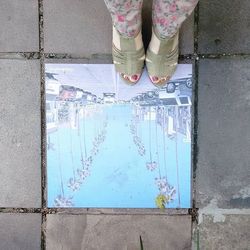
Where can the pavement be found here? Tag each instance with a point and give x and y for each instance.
(215, 39)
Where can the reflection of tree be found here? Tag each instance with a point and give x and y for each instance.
(151, 165)
(84, 131)
(50, 145)
(166, 191)
(63, 112)
(134, 131)
(177, 166)
(61, 200)
(86, 161)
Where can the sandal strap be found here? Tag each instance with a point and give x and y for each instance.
(164, 62)
(128, 62)
(129, 59)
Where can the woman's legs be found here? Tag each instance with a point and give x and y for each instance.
(168, 15)
(126, 15)
(126, 18)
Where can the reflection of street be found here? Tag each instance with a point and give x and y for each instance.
(90, 137)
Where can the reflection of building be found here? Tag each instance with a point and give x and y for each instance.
(52, 86)
(109, 98)
(51, 116)
(184, 122)
(176, 93)
(173, 99)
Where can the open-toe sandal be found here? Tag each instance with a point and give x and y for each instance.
(128, 56)
(162, 58)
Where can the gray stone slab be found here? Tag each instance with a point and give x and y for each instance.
(186, 32)
(19, 29)
(20, 231)
(20, 133)
(229, 234)
(224, 26)
(83, 28)
(187, 36)
(112, 232)
(80, 28)
(223, 171)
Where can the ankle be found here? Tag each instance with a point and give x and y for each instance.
(135, 42)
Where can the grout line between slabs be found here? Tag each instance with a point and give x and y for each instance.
(43, 126)
(58, 56)
(195, 124)
(100, 211)
(195, 120)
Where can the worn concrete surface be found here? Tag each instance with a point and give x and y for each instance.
(19, 26)
(223, 169)
(229, 234)
(112, 232)
(20, 160)
(20, 231)
(83, 28)
(224, 26)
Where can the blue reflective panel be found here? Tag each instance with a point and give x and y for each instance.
(110, 145)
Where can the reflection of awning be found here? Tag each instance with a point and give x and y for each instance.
(51, 127)
(50, 97)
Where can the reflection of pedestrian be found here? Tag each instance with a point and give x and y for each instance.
(162, 53)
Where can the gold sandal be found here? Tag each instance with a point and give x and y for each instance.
(162, 58)
(128, 56)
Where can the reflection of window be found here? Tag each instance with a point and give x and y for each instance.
(170, 101)
(47, 106)
(184, 100)
(50, 118)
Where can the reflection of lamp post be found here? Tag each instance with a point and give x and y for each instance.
(166, 191)
(115, 76)
(151, 165)
(177, 168)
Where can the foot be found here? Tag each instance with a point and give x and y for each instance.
(128, 56)
(159, 81)
(132, 79)
(162, 58)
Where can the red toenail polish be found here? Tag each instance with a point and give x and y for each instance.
(134, 77)
(155, 78)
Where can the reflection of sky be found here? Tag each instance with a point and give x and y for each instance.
(119, 177)
(101, 78)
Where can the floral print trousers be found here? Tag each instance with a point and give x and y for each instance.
(167, 15)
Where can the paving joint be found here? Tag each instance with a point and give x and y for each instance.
(64, 56)
(194, 211)
(100, 211)
(43, 125)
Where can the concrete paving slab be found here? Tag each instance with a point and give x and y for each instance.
(80, 28)
(19, 30)
(112, 232)
(224, 26)
(20, 133)
(20, 231)
(83, 28)
(229, 234)
(223, 171)
(187, 36)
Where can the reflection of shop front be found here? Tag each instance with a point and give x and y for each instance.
(112, 142)
(184, 122)
(51, 116)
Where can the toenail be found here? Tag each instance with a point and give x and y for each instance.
(155, 78)
(134, 77)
